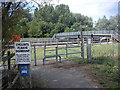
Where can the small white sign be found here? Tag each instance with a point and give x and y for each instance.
(22, 52)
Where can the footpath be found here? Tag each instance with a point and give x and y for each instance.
(66, 75)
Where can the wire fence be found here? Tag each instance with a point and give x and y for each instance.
(104, 50)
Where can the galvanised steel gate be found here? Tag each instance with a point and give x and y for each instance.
(61, 50)
(64, 49)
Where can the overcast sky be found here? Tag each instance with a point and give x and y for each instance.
(93, 8)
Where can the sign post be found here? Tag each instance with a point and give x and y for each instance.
(23, 59)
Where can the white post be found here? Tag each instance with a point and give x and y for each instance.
(89, 49)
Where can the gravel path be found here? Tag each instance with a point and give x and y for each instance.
(65, 75)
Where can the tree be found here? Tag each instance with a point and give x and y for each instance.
(12, 13)
(67, 19)
(107, 24)
(46, 28)
(60, 10)
(59, 27)
(42, 3)
(21, 27)
(103, 24)
(76, 26)
(45, 14)
(33, 29)
(40, 29)
(67, 29)
(83, 20)
(113, 23)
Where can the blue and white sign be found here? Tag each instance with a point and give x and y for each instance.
(24, 70)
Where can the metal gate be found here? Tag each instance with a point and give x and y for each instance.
(61, 50)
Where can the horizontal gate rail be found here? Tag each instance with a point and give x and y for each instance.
(68, 47)
(72, 59)
(50, 50)
(51, 56)
(69, 53)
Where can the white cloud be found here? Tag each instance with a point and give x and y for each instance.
(93, 8)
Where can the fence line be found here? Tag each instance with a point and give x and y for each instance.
(6, 77)
(88, 32)
(105, 50)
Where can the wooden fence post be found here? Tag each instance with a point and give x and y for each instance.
(9, 67)
(8, 53)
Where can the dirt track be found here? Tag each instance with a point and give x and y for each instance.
(65, 75)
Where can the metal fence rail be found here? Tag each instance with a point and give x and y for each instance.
(88, 32)
(97, 34)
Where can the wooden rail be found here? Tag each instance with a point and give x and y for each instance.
(6, 77)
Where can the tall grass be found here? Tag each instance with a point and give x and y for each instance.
(104, 50)
(104, 65)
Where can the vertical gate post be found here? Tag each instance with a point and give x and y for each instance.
(35, 55)
(88, 49)
(44, 48)
(82, 45)
(66, 50)
(56, 55)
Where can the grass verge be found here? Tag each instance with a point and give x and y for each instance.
(105, 71)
